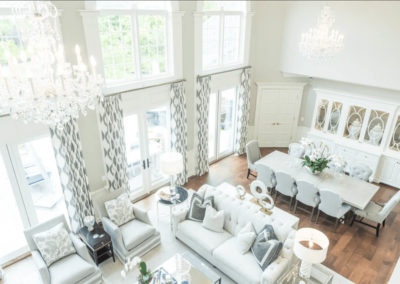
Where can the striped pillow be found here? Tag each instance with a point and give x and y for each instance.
(266, 247)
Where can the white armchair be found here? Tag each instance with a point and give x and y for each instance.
(74, 268)
(134, 238)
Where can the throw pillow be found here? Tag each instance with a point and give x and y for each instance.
(266, 247)
(198, 207)
(120, 210)
(54, 244)
(214, 220)
(245, 238)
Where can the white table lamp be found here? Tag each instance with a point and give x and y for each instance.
(171, 163)
(311, 247)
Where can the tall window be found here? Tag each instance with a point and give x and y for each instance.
(223, 25)
(134, 38)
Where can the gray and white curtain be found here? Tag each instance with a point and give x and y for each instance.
(72, 171)
(202, 105)
(179, 126)
(243, 112)
(113, 141)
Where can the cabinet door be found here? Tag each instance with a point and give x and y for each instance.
(395, 136)
(334, 117)
(376, 126)
(321, 114)
(354, 122)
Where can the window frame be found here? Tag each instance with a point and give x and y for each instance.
(244, 38)
(173, 36)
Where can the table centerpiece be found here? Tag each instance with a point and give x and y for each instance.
(317, 156)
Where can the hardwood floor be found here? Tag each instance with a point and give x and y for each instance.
(354, 251)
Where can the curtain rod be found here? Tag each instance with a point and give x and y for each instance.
(146, 87)
(221, 72)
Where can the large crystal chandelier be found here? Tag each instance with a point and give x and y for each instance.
(38, 84)
(322, 41)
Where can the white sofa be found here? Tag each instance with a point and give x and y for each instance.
(220, 248)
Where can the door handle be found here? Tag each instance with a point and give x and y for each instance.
(144, 164)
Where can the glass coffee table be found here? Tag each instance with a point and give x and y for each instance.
(193, 269)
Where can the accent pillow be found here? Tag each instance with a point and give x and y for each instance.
(214, 220)
(54, 244)
(120, 210)
(245, 238)
(266, 247)
(198, 207)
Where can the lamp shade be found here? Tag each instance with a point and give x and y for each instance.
(311, 245)
(171, 163)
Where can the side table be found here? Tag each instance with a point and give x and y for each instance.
(182, 195)
(98, 243)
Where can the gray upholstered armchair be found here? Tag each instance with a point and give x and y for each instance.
(136, 237)
(75, 268)
(253, 155)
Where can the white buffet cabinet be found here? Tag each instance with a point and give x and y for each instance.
(361, 130)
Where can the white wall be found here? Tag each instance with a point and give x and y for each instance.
(371, 42)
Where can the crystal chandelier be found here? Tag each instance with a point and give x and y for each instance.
(38, 84)
(322, 41)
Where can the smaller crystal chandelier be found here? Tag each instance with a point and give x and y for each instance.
(38, 84)
(322, 41)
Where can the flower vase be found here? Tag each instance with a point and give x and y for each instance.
(311, 171)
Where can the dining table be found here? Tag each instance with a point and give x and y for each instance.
(353, 191)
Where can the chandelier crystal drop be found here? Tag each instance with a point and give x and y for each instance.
(39, 85)
(322, 41)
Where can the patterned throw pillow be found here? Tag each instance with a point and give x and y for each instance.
(120, 210)
(54, 244)
(266, 247)
(198, 207)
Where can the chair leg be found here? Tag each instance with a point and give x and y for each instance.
(316, 220)
(295, 207)
(336, 224)
(290, 204)
(377, 230)
(352, 220)
(383, 223)
(312, 213)
(248, 173)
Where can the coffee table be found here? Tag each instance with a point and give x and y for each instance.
(200, 272)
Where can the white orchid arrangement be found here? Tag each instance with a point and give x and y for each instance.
(317, 157)
(145, 276)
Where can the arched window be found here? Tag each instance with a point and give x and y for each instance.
(134, 38)
(223, 26)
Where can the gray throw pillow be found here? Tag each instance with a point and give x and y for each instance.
(198, 207)
(266, 247)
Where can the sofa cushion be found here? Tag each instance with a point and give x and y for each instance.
(228, 254)
(70, 269)
(198, 206)
(205, 238)
(54, 243)
(214, 220)
(120, 210)
(136, 232)
(266, 247)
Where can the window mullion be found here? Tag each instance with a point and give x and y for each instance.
(135, 37)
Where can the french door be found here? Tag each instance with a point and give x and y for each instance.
(221, 123)
(30, 191)
(147, 137)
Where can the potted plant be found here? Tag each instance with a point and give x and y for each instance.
(317, 159)
(145, 276)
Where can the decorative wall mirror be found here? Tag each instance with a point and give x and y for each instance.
(354, 122)
(334, 118)
(321, 114)
(376, 127)
(395, 139)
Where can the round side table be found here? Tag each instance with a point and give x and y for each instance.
(181, 196)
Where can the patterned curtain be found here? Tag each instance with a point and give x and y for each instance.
(72, 170)
(202, 102)
(179, 126)
(243, 112)
(113, 142)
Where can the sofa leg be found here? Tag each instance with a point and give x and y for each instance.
(377, 230)
(248, 173)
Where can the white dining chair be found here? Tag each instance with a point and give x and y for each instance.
(332, 205)
(360, 171)
(266, 175)
(253, 155)
(376, 212)
(307, 194)
(296, 150)
(285, 185)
